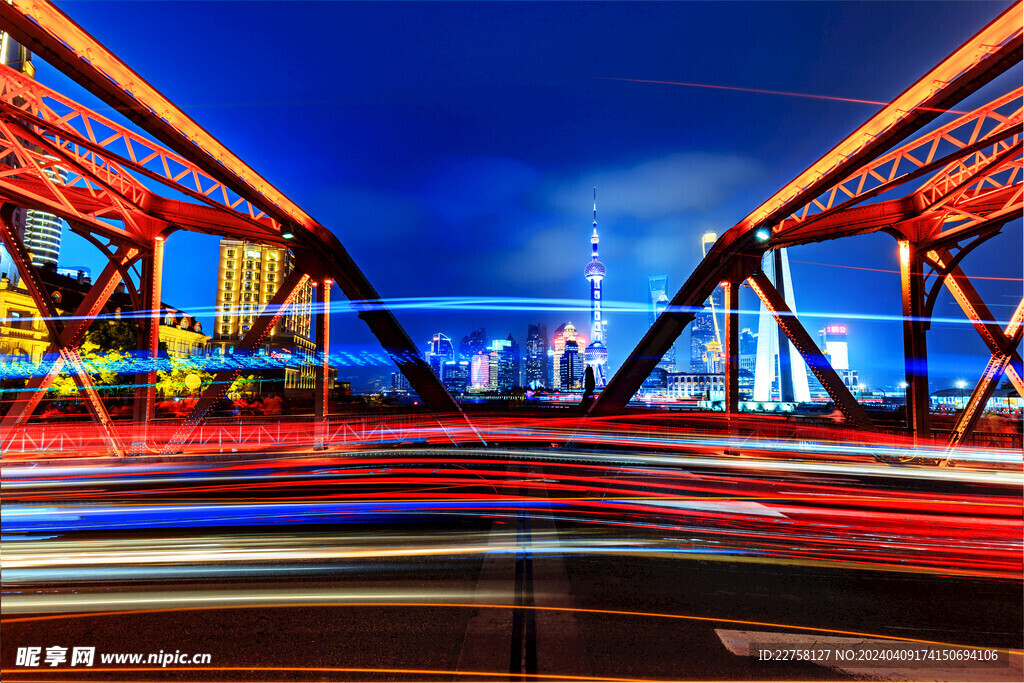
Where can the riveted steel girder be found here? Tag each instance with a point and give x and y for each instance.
(993, 372)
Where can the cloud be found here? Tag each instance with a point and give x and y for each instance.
(654, 189)
(467, 190)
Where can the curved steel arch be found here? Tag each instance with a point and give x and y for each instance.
(52, 35)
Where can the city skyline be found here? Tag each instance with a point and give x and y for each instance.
(502, 197)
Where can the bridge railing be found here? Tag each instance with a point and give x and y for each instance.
(707, 433)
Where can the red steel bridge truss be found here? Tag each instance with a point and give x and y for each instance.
(939, 194)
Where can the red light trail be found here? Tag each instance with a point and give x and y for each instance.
(762, 91)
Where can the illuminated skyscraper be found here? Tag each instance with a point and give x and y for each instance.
(833, 341)
(249, 276)
(658, 300)
(473, 343)
(480, 372)
(596, 353)
(571, 367)
(536, 358)
(440, 351)
(455, 376)
(40, 231)
(705, 329)
(508, 365)
(565, 332)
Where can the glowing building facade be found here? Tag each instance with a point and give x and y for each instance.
(536, 359)
(249, 276)
(657, 290)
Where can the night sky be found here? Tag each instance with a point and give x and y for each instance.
(454, 148)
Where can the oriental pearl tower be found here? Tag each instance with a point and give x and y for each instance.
(596, 354)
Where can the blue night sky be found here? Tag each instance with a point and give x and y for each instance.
(453, 148)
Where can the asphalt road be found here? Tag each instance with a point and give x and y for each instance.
(526, 590)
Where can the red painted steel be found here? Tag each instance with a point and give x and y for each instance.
(48, 32)
(986, 55)
(990, 377)
(810, 352)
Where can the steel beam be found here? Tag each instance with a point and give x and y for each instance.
(223, 379)
(44, 304)
(816, 361)
(322, 390)
(149, 342)
(915, 349)
(731, 347)
(986, 55)
(964, 293)
(52, 35)
(71, 337)
(994, 370)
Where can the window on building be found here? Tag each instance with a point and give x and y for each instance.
(230, 264)
(227, 296)
(272, 267)
(270, 288)
(231, 253)
(228, 285)
(271, 278)
(229, 276)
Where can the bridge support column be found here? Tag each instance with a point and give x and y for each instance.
(915, 348)
(149, 342)
(731, 347)
(322, 390)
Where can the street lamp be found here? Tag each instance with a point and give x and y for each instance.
(960, 384)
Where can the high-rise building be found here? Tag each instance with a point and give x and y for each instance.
(571, 367)
(702, 333)
(480, 372)
(705, 329)
(508, 364)
(536, 359)
(440, 351)
(399, 383)
(39, 231)
(833, 341)
(473, 343)
(748, 351)
(657, 290)
(455, 376)
(780, 373)
(565, 332)
(249, 276)
(596, 353)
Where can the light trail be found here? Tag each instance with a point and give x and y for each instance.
(502, 606)
(762, 91)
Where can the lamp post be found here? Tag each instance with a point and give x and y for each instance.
(960, 384)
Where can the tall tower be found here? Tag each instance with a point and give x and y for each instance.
(596, 353)
(705, 335)
(780, 373)
(657, 288)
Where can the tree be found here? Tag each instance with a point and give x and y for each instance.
(113, 335)
(243, 387)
